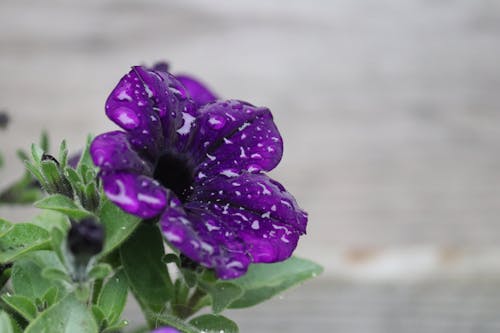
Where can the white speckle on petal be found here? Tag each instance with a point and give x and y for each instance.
(171, 237)
(273, 208)
(234, 264)
(227, 141)
(207, 247)
(229, 173)
(201, 175)
(124, 96)
(148, 91)
(212, 158)
(186, 127)
(265, 190)
(256, 156)
(255, 225)
(230, 116)
(242, 127)
(266, 215)
(148, 199)
(241, 215)
(120, 197)
(242, 152)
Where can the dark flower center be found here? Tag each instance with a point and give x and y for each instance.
(174, 172)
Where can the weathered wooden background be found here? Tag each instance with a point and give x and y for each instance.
(390, 112)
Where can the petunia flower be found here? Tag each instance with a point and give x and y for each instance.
(197, 164)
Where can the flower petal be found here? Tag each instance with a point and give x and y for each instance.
(129, 107)
(233, 136)
(200, 236)
(112, 152)
(136, 194)
(230, 223)
(197, 90)
(170, 99)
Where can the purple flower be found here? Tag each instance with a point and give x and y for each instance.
(165, 330)
(197, 164)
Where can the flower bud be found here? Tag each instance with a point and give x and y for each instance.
(85, 238)
(56, 181)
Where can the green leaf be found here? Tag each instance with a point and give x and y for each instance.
(67, 316)
(222, 294)
(85, 159)
(118, 226)
(263, 281)
(22, 238)
(51, 273)
(116, 327)
(148, 277)
(36, 153)
(100, 271)
(44, 141)
(99, 316)
(168, 319)
(49, 219)
(62, 204)
(7, 325)
(63, 154)
(210, 323)
(113, 297)
(26, 278)
(51, 296)
(22, 305)
(5, 226)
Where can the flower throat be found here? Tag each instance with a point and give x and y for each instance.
(173, 172)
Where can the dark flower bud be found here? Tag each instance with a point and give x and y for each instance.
(85, 238)
(4, 119)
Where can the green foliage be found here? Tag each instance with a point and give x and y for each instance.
(148, 276)
(118, 226)
(113, 297)
(21, 238)
(210, 323)
(62, 204)
(69, 315)
(51, 290)
(263, 281)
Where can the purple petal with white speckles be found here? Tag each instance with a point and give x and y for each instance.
(230, 223)
(112, 151)
(256, 193)
(170, 100)
(233, 136)
(197, 90)
(136, 194)
(129, 107)
(201, 236)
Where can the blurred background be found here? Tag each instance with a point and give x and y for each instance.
(390, 113)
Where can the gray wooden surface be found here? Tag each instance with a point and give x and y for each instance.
(389, 111)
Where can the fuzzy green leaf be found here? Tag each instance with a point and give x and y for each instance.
(222, 294)
(263, 281)
(210, 323)
(20, 239)
(22, 305)
(148, 277)
(113, 297)
(62, 204)
(69, 315)
(27, 280)
(118, 226)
